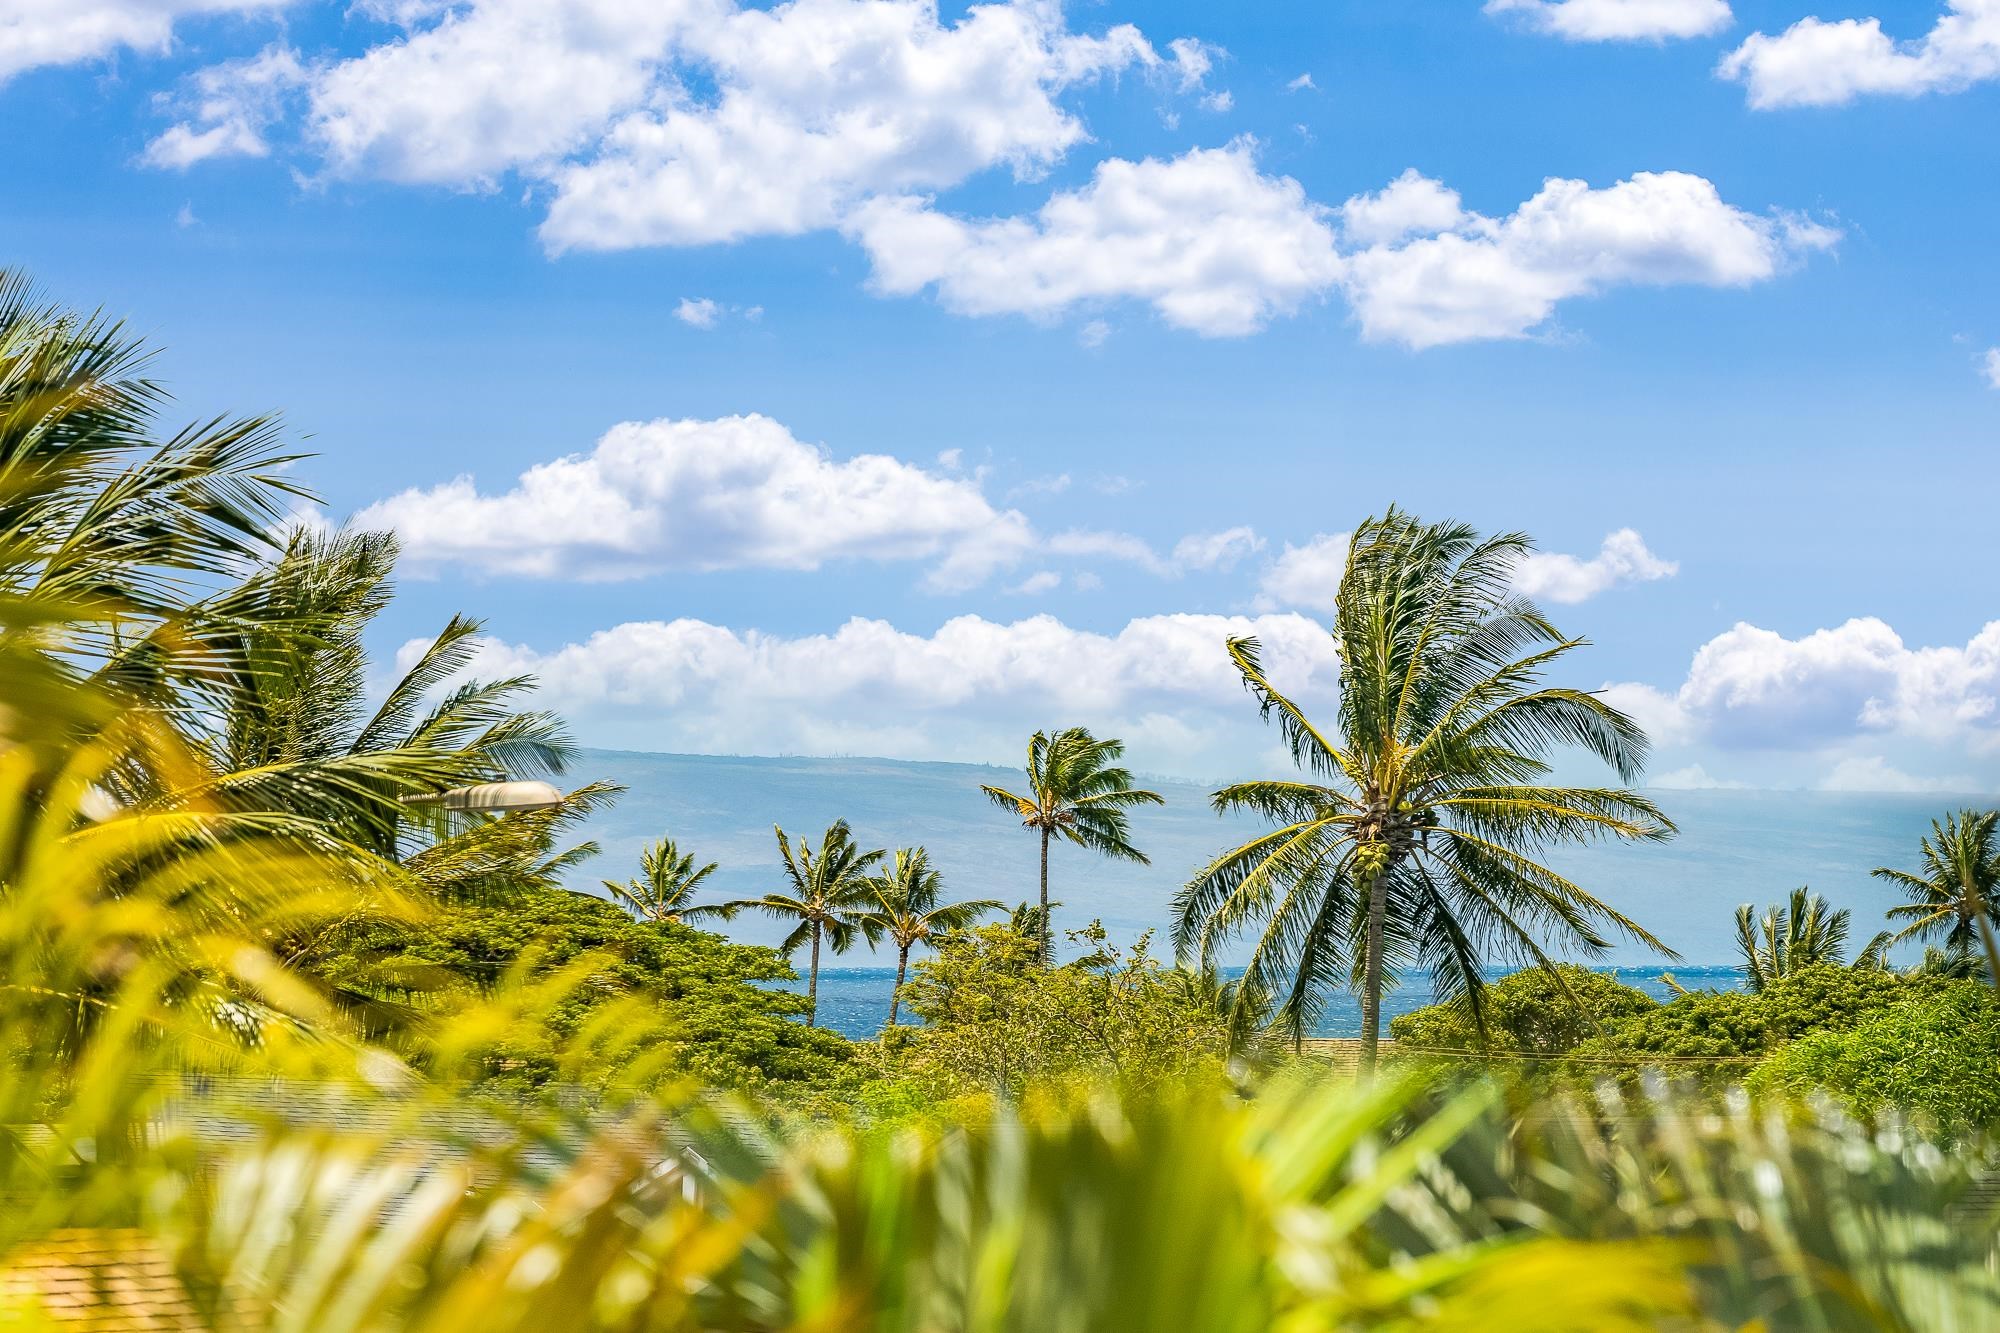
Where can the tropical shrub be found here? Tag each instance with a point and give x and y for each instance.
(1538, 1010)
(1735, 1024)
(995, 1021)
(1937, 1057)
(718, 1024)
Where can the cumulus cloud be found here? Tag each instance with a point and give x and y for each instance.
(1305, 576)
(1411, 204)
(698, 312)
(743, 493)
(1618, 20)
(1466, 277)
(231, 107)
(966, 691)
(1308, 576)
(1216, 550)
(682, 122)
(1753, 688)
(1991, 368)
(732, 493)
(1623, 558)
(34, 33)
(1692, 778)
(1300, 84)
(689, 122)
(1820, 63)
(1211, 243)
(1041, 581)
(1874, 773)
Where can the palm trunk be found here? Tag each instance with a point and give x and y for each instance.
(812, 983)
(1371, 981)
(1992, 949)
(1047, 955)
(896, 996)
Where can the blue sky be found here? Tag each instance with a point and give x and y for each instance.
(932, 373)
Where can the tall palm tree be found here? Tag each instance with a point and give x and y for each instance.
(665, 886)
(830, 899)
(907, 911)
(1077, 793)
(1416, 837)
(1790, 937)
(1953, 896)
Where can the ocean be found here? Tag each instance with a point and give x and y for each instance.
(1733, 847)
(854, 1001)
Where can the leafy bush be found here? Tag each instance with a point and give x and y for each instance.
(1714, 1024)
(717, 1025)
(1531, 1010)
(995, 1020)
(1937, 1057)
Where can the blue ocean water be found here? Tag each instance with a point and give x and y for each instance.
(854, 1001)
(1733, 847)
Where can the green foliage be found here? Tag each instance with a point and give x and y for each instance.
(1537, 1010)
(1936, 1057)
(1714, 1024)
(996, 1021)
(718, 1026)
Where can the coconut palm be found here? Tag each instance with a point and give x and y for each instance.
(830, 899)
(1416, 837)
(1952, 897)
(1077, 793)
(1795, 936)
(907, 911)
(665, 886)
(291, 729)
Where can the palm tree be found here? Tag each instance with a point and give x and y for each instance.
(830, 899)
(907, 911)
(1953, 896)
(290, 729)
(1416, 837)
(665, 886)
(1793, 937)
(1078, 794)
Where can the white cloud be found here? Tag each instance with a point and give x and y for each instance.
(185, 218)
(1754, 688)
(1411, 204)
(1305, 576)
(1819, 63)
(1300, 84)
(967, 691)
(1219, 101)
(1210, 243)
(731, 493)
(698, 312)
(1992, 367)
(1619, 20)
(1216, 550)
(682, 122)
(1502, 278)
(1308, 576)
(231, 107)
(1054, 484)
(1623, 558)
(1692, 778)
(35, 33)
(1045, 580)
(1874, 773)
(743, 493)
(1093, 333)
